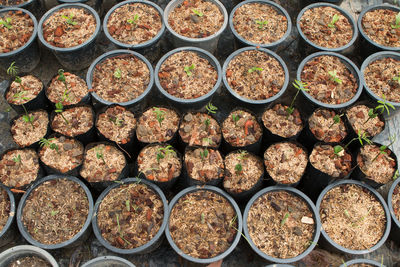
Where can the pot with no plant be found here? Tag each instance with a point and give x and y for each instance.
(393, 201)
(26, 255)
(69, 31)
(8, 229)
(196, 23)
(105, 261)
(204, 225)
(130, 217)
(19, 30)
(358, 213)
(293, 224)
(56, 212)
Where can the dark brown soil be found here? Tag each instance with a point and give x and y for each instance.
(30, 261)
(130, 215)
(329, 80)
(18, 31)
(79, 121)
(69, 94)
(360, 121)
(204, 164)
(5, 207)
(316, 24)
(352, 217)
(281, 224)
(396, 202)
(21, 93)
(324, 159)
(12, 2)
(55, 211)
(322, 125)
(203, 224)
(24, 134)
(278, 122)
(200, 129)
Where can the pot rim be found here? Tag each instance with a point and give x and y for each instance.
(105, 258)
(29, 249)
(11, 215)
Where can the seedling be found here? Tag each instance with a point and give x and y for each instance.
(121, 235)
(12, 69)
(338, 150)
(159, 114)
(242, 155)
(335, 18)
(334, 77)
(99, 154)
(397, 23)
(287, 214)
(189, 69)
(207, 140)
(336, 120)
(204, 153)
(261, 23)
(361, 137)
(60, 109)
(238, 168)
(197, 12)
(380, 109)
(253, 69)
(47, 143)
(117, 73)
(211, 108)
(127, 204)
(118, 122)
(382, 149)
(61, 78)
(397, 78)
(17, 159)
(134, 20)
(300, 86)
(54, 212)
(202, 217)
(235, 118)
(6, 23)
(70, 19)
(164, 151)
(207, 122)
(19, 96)
(396, 175)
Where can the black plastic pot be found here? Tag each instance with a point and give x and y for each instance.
(26, 57)
(395, 230)
(352, 68)
(9, 231)
(151, 48)
(95, 4)
(329, 244)
(246, 102)
(106, 261)
(310, 47)
(279, 265)
(195, 103)
(362, 261)
(33, 6)
(311, 207)
(273, 46)
(14, 253)
(239, 220)
(153, 243)
(138, 102)
(79, 238)
(77, 57)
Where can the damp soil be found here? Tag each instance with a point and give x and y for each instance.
(360, 121)
(204, 164)
(21, 93)
(69, 93)
(279, 122)
(130, 215)
(203, 224)
(396, 202)
(5, 208)
(200, 129)
(352, 217)
(73, 121)
(55, 211)
(324, 159)
(323, 126)
(29, 261)
(25, 133)
(281, 224)
(16, 31)
(12, 2)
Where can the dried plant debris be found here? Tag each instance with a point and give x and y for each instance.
(324, 159)
(279, 122)
(73, 121)
(29, 261)
(16, 29)
(5, 208)
(281, 224)
(130, 215)
(259, 23)
(24, 134)
(327, 126)
(203, 224)
(352, 217)
(204, 164)
(55, 211)
(359, 119)
(396, 201)
(200, 129)
(24, 91)
(382, 26)
(69, 92)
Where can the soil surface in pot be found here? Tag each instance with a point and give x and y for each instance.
(382, 77)
(5, 207)
(117, 124)
(69, 93)
(67, 155)
(255, 75)
(55, 211)
(157, 124)
(200, 129)
(259, 23)
(329, 80)
(396, 202)
(25, 91)
(27, 133)
(242, 171)
(12, 2)
(69, 27)
(277, 121)
(102, 163)
(285, 162)
(16, 29)
(376, 165)
(377, 25)
(326, 26)
(361, 265)
(203, 224)
(187, 75)
(241, 128)
(29, 261)
(281, 224)
(324, 126)
(159, 163)
(130, 215)
(204, 164)
(73, 121)
(196, 19)
(359, 119)
(134, 23)
(324, 159)
(19, 167)
(120, 78)
(352, 217)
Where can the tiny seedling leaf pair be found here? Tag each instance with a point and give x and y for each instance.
(397, 22)
(335, 18)
(188, 69)
(300, 86)
(261, 23)
(6, 23)
(134, 20)
(70, 19)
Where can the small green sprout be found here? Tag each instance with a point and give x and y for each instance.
(261, 23)
(300, 86)
(336, 119)
(207, 122)
(60, 109)
(100, 154)
(338, 150)
(61, 78)
(397, 78)
(12, 69)
(379, 109)
(207, 140)
(396, 175)
(334, 77)
(54, 212)
(397, 23)
(118, 122)
(127, 204)
(121, 235)
(47, 143)
(382, 148)
(159, 114)
(231, 226)
(335, 18)
(6, 23)
(361, 137)
(211, 108)
(164, 151)
(242, 155)
(26, 117)
(17, 159)
(204, 153)
(287, 214)
(118, 73)
(235, 118)
(189, 69)
(134, 20)
(203, 218)
(255, 69)
(70, 19)
(238, 168)
(197, 12)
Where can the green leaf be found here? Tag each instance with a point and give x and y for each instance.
(197, 12)
(334, 77)
(261, 23)
(188, 69)
(255, 69)
(238, 167)
(335, 18)
(6, 23)
(117, 73)
(337, 149)
(211, 108)
(134, 20)
(397, 24)
(285, 218)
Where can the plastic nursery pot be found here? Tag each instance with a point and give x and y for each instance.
(9, 230)
(216, 190)
(105, 261)
(95, 4)
(279, 265)
(97, 100)
(79, 238)
(362, 261)
(76, 57)
(395, 230)
(329, 244)
(311, 47)
(12, 254)
(151, 48)
(351, 67)
(30, 5)
(370, 46)
(274, 45)
(310, 205)
(209, 43)
(26, 57)
(154, 243)
(250, 103)
(194, 103)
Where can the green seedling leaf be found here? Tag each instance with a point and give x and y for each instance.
(300, 86)
(17, 159)
(261, 23)
(235, 118)
(287, 214)
(202, 218)
(254, 69)
(197, 12)
(335, 18)
(134, 20)
(397, 23)
(211, 108)
(204, 154)
(159, 114)
(238, 167)
(70, 19)
(12, 69)
(6, 23)
(117, 73)
(188, 69)
(338, 150)
(334, 77)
